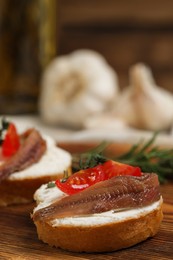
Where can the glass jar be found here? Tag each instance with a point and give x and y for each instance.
(26, 37)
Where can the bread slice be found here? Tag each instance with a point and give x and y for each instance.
(19, 187)
(103, 232)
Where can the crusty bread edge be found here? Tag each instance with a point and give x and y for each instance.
(21, 191)
(102, 238)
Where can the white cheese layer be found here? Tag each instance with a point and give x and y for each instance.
(55, 160)
(45, 196)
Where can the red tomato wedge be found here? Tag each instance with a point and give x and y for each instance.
(11, 142)
(85, 178)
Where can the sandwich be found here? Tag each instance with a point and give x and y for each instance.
(107, 207)
(27, 160)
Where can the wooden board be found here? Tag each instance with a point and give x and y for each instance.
(18, 237)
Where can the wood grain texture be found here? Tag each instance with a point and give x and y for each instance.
(18, 237)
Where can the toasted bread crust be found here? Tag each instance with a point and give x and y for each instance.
(102, 238)
(21, 191)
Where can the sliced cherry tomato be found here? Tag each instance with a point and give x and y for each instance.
(81, 180)
(112, 168)
(11, 142)
(85, 178)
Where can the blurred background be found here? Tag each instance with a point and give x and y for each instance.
(33, 32)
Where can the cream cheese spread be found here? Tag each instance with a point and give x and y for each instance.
(55, 160)
(45, 196)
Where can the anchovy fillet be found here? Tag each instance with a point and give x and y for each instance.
(116, 193)
(32, 148)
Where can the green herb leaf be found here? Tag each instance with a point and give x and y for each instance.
(4, 126)
(51, 185)
(145, 155)
(65, 176)
(90, 159)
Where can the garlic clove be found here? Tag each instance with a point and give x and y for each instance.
(143, 104)
(75, 86)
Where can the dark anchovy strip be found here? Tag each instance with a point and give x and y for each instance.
(116, 193)
(32, 148)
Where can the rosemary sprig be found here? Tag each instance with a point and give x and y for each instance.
(89, 159)
(148, 157)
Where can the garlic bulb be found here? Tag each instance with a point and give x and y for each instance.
(143, 104)
(76, 86)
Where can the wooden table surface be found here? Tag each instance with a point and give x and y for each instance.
(18, 237)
